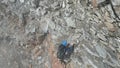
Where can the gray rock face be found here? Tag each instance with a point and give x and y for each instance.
(23, 24)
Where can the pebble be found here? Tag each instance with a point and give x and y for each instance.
(92, 31)
(68, 12)
(51, 24)
(89, 51)
(102, 37)
(43, 12)
(63, 5)
(98, 14)
(103, 42)
(101, 51)
(110, 26)
(75, 36)
(12, 1)
(108, 22)
(116, 2)
(30, 29)
(56, 6)
(22, 1)
(99, 1)
(44, 25)
(70, 22)
(69, 1)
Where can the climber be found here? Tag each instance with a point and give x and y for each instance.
(64, 52)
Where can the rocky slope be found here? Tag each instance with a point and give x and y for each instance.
(24, 22)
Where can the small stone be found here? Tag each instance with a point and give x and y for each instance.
(70, 22)
(35, 50)
(110, 26)
(99, 1)
(116, 2)
(68, 12)
(56, 6)
(38, 11)
(77, 30)
(41, 61)
(51, 24)
(118, 49)
(76, 36)
(30, 29)
(89, 50)
(119, 24)
(103, 42)
(69, 1)
(39, 58)
(108, 22)
(98, 14)
(92, 31)
(94, 3)
(12, 1)
(63, 4)
(44, 25)
(33, 30)
(36, 55)
(101, 51)
(102, 37)
(43, 12)
(22, 1)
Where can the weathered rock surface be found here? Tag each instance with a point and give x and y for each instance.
(24, 22)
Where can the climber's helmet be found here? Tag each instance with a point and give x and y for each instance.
(64, 43)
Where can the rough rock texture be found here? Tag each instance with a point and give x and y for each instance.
(24, 22)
